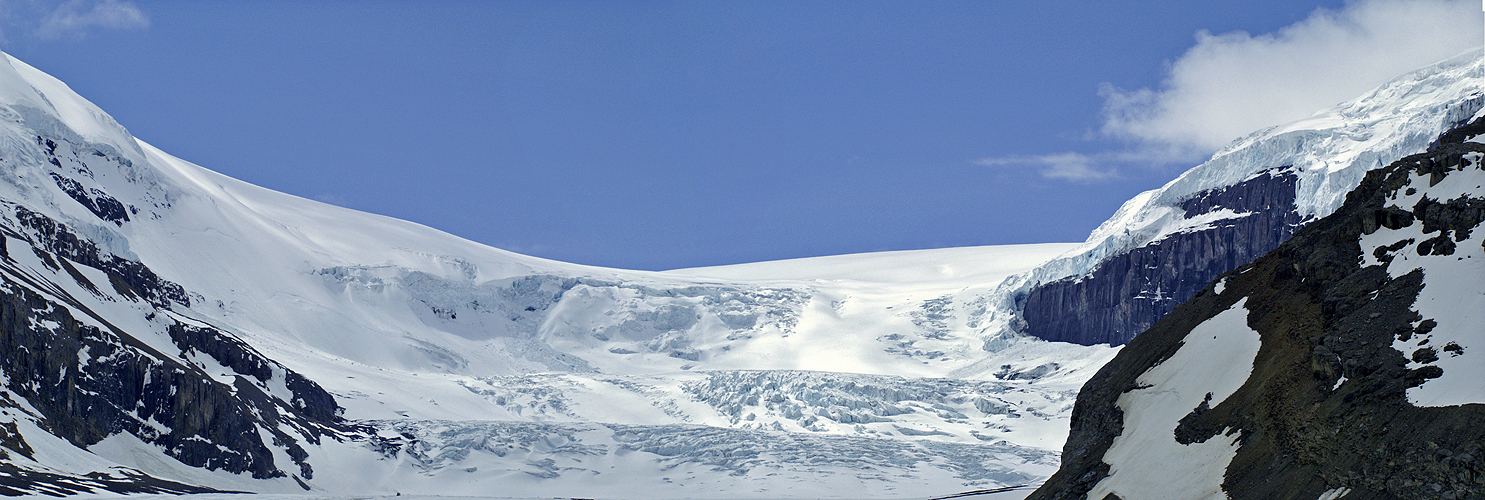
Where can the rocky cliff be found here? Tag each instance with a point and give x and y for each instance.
(1128, 292)
(1162, 246)
(1338, 365)
(204, 397)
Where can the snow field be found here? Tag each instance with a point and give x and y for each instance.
(1145, 460)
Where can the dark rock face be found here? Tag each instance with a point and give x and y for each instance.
(87, 382)
(1127, 293)
(16, 481)
(100, 203)
(1321, 315)
(310, 400)
(128, 278)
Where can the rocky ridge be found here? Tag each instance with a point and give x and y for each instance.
(1128, 292)
(1327, 405)
(205, 398)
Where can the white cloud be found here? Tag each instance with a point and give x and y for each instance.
(76, 18)
(1232, 84)
(1075, 167)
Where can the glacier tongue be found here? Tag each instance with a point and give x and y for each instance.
(758, 434)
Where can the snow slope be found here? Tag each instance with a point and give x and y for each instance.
(463, 368)
(1187, 379)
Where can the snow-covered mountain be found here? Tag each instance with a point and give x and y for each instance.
(1341, 365)
(174, 330)
(1165, 245)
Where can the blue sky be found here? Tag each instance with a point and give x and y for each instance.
(658, 135)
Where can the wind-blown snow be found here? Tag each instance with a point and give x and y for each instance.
(1170, 391)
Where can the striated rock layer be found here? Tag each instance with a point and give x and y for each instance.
(1128, 292)
(1165, 244)
(71, 371)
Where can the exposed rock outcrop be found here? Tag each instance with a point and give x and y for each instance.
(1163, 245)
(1325, 406)
(75, 374)
(1127, 293)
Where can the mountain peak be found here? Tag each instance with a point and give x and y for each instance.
(43, 103)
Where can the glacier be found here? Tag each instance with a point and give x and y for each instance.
(450, 367)
(378, 357)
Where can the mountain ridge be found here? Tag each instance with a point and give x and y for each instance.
(270, 343)
(1328, 155)
(1335, 398)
